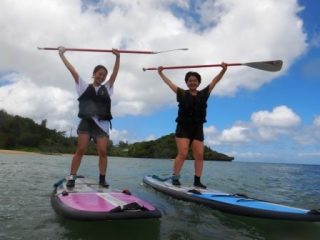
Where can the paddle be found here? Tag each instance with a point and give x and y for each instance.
(110, 50)
(271, 66)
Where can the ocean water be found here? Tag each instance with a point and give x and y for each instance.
(26, 184)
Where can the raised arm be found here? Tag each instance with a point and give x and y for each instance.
(71, 69)
(167, 80)
(217, 78)
(115, 67)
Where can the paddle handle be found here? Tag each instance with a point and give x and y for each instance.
(271, 66)
(98, 50)
(193, 66)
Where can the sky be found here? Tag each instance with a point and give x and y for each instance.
(253, 115)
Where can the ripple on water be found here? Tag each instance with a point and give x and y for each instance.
(26, 185)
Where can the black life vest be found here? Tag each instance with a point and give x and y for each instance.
(192, 109)
(95, 104)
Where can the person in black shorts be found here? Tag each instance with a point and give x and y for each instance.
(95, 114)
(190, 120)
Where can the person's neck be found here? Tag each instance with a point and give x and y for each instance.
(193, 92)
(95, 84)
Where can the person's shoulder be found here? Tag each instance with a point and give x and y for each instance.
(181, 90)
(181, 93)
(81, 81)
(81, 85)
(107, 85)
(205, 90)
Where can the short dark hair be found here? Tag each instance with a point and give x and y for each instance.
(195, 74)
(98, 67)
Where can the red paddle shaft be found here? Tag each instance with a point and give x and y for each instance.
(271, 66)
(193, 66)
(109, 50)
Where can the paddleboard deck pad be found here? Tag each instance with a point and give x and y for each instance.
(90, 201)
(239, 204)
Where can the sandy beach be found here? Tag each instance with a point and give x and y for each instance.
(4, 151)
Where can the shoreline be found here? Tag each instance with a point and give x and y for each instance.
(21, 152)
(17, 152)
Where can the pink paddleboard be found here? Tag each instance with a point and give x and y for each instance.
(90, 201)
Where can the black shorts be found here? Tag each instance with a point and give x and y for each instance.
(190, 131)
(88, 126)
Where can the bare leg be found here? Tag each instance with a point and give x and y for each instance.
(183, 148)
(102, 151)
(83, 140)
(197, 150)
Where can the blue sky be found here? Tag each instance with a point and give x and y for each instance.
(252, 115)
(298, 88)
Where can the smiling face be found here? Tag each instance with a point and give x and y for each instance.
(99, 75)
(193, 80)
(193, 83)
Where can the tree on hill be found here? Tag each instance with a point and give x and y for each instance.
(165, 147)
(24, 134)
(21, 133)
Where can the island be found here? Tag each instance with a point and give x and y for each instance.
(23, 134)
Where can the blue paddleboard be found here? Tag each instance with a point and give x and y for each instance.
(232, 203)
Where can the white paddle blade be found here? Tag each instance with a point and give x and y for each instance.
(271, 66)
(171, 50)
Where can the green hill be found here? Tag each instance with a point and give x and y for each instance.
(19, 133)
(165, 147)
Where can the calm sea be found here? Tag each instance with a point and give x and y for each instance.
(26, 184)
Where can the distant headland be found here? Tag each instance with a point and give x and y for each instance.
(23, 134)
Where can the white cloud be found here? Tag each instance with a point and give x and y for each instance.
(269, 133)
(240, 31)
(315, 40)
(264, 126)
(267, 136)
(309, 135)
(236, 134)
(316, 121)
(211, 135)
(119, 135)
(281, 116)
(270, 125)
(24, 98)
(151, 138)
(127, 136)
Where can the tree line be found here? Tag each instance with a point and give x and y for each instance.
(19, 133)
